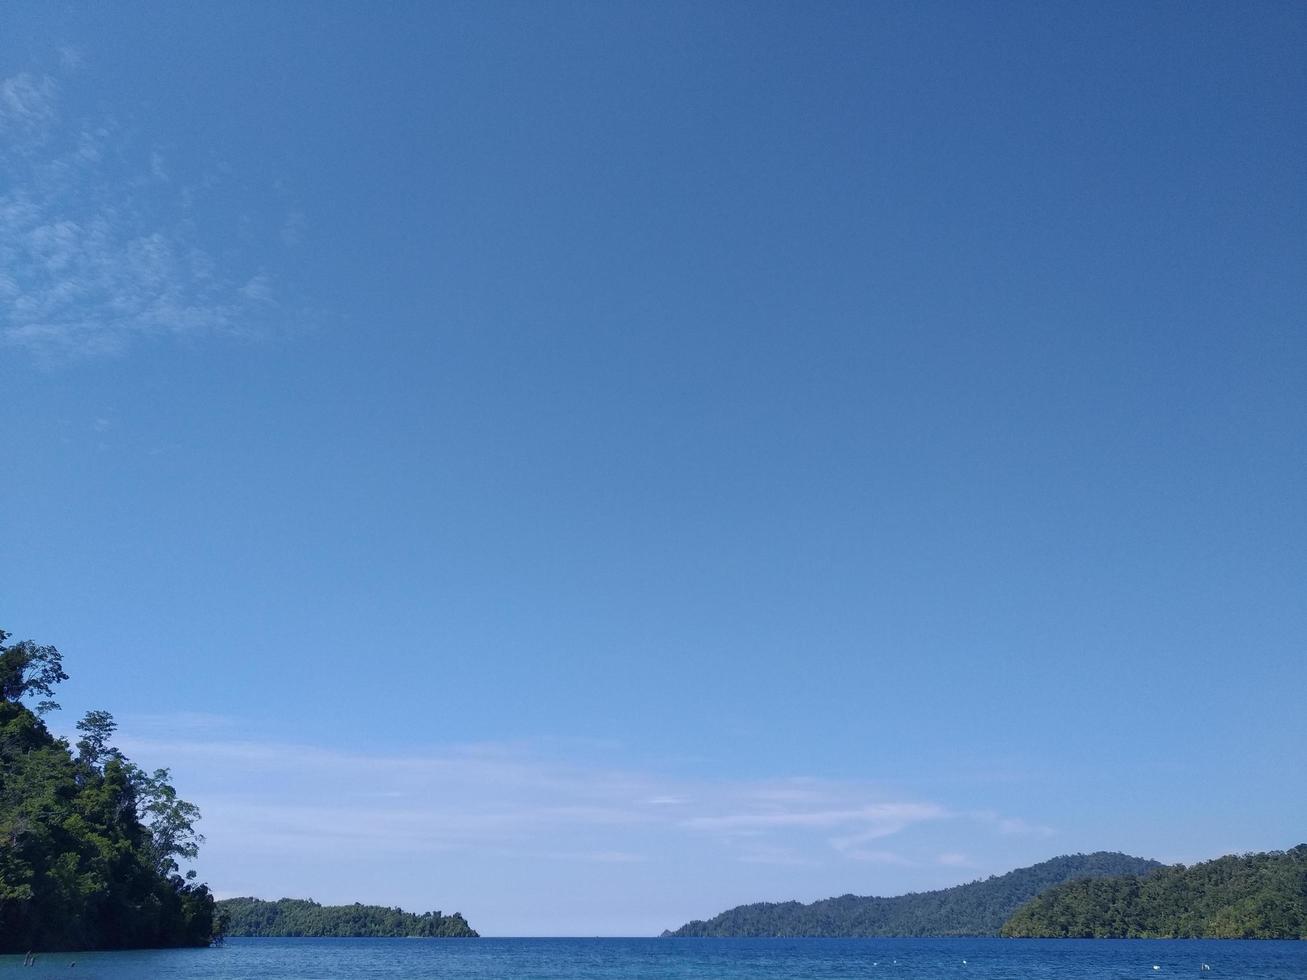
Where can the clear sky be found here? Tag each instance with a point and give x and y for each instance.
(591, 464)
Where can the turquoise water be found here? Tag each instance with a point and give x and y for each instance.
(687, 959)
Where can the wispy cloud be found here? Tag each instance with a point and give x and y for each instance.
(881, 819)
(876, 856)
(292, 229)
(71, 58)
(277, 797)
(953, 859)
(595, 857)
(28, 108)
(509, 827)
(1012, 825)
(763, 853)
(97, 248)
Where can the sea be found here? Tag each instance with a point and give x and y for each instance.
(687, 959)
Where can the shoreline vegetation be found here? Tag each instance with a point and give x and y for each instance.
(1105, 895)
(978, 908)
(1239, 896)
(305, 918)
(89, 841)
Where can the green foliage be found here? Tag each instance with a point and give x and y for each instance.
(301, 917)
(1240, 896)
(27, 668)
(88, 843)
(975, 909)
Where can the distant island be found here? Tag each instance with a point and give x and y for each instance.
(1248, 896)
(976, 909)
(303, 917)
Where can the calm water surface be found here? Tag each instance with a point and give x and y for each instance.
(688, 959)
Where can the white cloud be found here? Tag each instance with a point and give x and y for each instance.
(596, 857)
(71, 58)
(760, 853)
(878, 857)
(258, 289)
(1014, 826)
(537, 818)
(274, 798)
(29, 106)
(953, 859)
(158, 168)
(883, 818)
(98, 251)
(292, 229)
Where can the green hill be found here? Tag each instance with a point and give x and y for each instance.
(976, 909)
(302, 917)
(1247, 896)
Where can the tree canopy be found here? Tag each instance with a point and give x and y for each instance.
(89, 842)
(27, 668)
(1239, 896)
(975, 909)
(302, 917)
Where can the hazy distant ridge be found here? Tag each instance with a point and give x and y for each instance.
(976, 909)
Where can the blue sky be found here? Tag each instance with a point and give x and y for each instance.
(589, 465)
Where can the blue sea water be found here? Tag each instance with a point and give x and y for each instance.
(687, 959)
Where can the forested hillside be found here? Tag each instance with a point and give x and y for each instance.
(89, 842)
(300, 917)
(976, 909)
(1248, 896)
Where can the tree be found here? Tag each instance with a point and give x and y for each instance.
(89, 842)
(28, 668)
(171, 820)
(96, 728)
